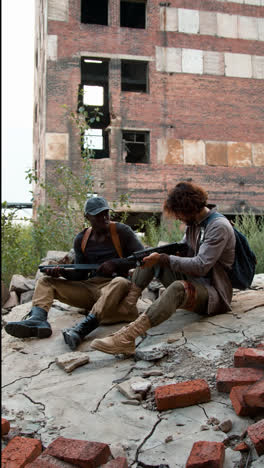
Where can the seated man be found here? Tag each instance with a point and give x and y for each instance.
(109, 299)
(197, 282)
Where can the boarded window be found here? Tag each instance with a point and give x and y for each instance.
(135, 146)
(94, 12)
(134, 76)
(133, 14)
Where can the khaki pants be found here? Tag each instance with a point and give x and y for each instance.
(180, 293)
(101, 296)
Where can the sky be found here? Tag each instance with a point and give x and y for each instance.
(18, 19)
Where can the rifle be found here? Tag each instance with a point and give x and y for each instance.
(125, 264)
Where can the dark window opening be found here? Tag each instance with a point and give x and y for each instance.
(93, 94)
(135, 147)
(94, 12)
(134, 76)
(133, 14)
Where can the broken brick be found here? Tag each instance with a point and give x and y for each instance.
(5, 426)
(260, 346)
(240, 406)
(254, 397)
(249, 357)
(47, 461)
(241, 447)
(119, 462)
(256, 434)
(182, 394)
(79, 452)
(20, 451)
(206, 454)
(227, 378)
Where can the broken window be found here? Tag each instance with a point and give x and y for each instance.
(135, 146)
(133, 14)
(94, 12)
(134, 76)
(94, 95)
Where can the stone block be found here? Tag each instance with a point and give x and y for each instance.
(192, 61)
(168, 19)
(247, 28)
(216, 153)
(258, 149)
(208, 23)
(26, 297)
(194, 152)
(214, 63)
(182, 394)
(21, 284)
(12, 301)
(239, 154)
(258, 67)
(170, 151)
(5, 293)
(206, 454)
(238, 65)
(58, 11)
(254, 396)
(238, 402)
(57, 146)
(119, 462)
(168, 59)
(256, 435)
(5, 426)
(227, 25)
(79, 452)
(20, 451)
(227, 378)
(188, 21)
(249, 357)
(52, 50)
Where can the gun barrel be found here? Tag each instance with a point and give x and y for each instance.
(72, 266)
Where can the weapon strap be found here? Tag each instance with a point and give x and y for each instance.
(114, 237)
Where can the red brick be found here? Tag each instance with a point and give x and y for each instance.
(254, 397)
(231, 377)
(79, 452)
(206, 454)
(5, 426)
(182, 394)
(237, 398)
(20, 451)
(256, 434)
(119, 462)
(249, 357)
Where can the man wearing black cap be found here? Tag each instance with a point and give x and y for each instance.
(109, 299)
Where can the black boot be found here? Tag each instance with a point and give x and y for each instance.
(74, 336)
(35, 325)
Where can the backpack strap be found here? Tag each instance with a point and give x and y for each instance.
(114, 237)
(85, 238)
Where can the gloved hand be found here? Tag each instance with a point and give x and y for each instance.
(117, 266)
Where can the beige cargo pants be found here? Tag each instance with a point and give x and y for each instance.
(100, 296)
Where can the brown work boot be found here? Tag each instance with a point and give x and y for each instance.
(123, 341)
(127, 307)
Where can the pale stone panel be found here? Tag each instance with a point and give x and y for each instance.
(168, 59)
(258, 154)
(260, 22)
(239, 154)
(208, 23)
(58, 10)
(194, 152)
(214, 63)
(253, 2)
(227, 25)
(168, 19)
(52, 47)
(247, 28)
(258, 67)
(170, 151)
(188, 21)
(238, 65)
(192, 61)
(57, 146)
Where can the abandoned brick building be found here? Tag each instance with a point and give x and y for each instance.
(181, 88)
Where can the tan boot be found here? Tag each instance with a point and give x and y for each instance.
(123, 341)
(127, 307)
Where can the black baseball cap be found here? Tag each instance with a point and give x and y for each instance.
(95, 205)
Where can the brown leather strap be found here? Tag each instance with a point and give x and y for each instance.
(115, 238)
(85, 238)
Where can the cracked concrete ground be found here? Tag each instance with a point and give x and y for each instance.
(41, 400)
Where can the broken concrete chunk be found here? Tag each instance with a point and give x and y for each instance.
(70, 361)
(152, 353)
(126, 388)
(141, 387)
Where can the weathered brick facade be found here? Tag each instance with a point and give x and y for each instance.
(202, 110)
